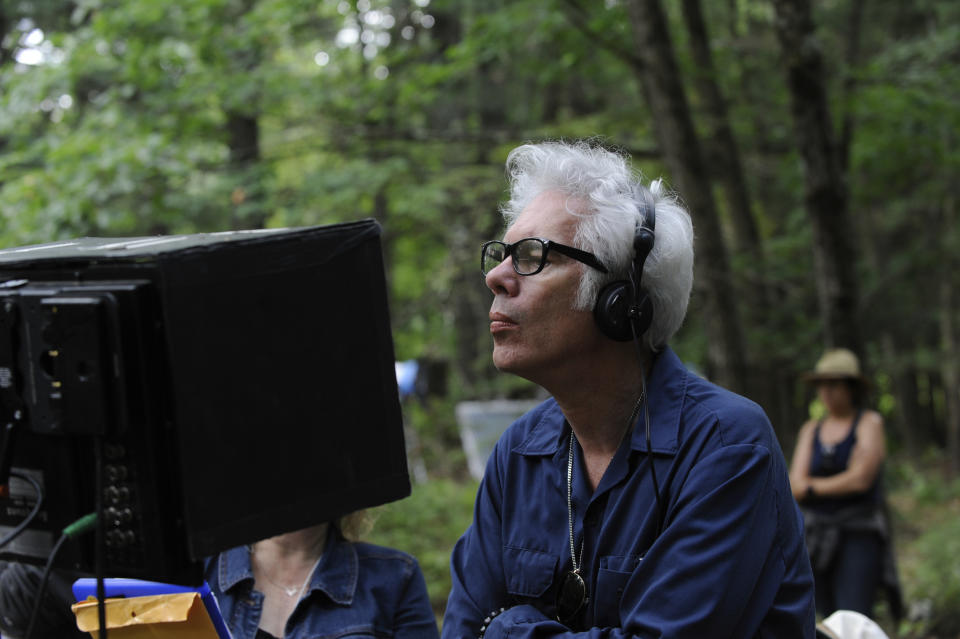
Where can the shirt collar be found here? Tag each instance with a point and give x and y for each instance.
(336, 574)
(548, 431)
(233, 567)
(666, 388)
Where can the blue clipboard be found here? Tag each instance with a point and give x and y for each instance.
(85, 588)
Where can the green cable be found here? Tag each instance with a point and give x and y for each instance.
(82, 525)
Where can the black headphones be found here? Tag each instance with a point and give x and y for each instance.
(623, 308)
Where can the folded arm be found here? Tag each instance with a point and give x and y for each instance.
(714, 571)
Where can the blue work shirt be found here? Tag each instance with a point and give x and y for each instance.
(358, 590)
(730, 560)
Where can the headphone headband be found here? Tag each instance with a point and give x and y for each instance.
(623, 310)
(644, 235)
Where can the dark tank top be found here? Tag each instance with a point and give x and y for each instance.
(831, 460)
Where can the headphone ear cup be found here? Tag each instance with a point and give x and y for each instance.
(645, 313)
(610, 310)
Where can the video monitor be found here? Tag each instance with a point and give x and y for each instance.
(199, 391)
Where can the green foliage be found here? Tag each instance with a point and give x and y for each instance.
(404, 110)
(923, 480)
(427, 525)
(437, 437)
(926, 508)
(934, 581)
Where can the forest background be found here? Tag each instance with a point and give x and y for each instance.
(816, 145)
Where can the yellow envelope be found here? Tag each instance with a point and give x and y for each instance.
(181, 615)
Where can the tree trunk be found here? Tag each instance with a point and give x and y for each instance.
(907, 423)
(726, 151)
(242, 110)
(660, 80)
(243, 141)
(907, 417)
(950, 341)
(951, 374)
(6, 54)
(850, 79)
(470, 305)
(826, 191)
(6, 21)
(470, 299)
(243, 134)
(727, 164)
(934, 414)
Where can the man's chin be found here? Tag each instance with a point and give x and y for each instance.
(504, 362)
(511, 363)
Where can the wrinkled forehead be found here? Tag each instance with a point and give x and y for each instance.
(552, 215)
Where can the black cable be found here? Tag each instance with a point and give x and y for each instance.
(661, 513)
(99, 540)
(43, 584)
(78, 527)
(81, 525)
(33, 513)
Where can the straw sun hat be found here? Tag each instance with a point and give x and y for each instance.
(836, 363)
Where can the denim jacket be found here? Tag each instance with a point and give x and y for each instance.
(358, 590)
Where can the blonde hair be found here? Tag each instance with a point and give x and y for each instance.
(356, 525)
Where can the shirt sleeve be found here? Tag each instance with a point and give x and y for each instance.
(476, 565)
(414, 618)
(714, 571)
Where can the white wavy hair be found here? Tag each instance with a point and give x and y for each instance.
(602, 190)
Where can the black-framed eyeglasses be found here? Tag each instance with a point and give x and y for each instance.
(530, 254)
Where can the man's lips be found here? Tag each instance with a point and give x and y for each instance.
(501, 322)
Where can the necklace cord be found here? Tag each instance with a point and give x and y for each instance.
(627, 429)
(290, 592)
(573, 555)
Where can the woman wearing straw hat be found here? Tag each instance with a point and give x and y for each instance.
(836, 477)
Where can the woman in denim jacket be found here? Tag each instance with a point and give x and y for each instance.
(315, 583)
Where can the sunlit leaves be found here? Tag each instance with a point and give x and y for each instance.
(404, 110)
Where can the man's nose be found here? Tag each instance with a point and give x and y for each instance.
(502, 279)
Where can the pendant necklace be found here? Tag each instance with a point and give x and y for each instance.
(572, 595)
(291, 591)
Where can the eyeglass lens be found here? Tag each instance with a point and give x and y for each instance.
(493, 254)
(527, 255)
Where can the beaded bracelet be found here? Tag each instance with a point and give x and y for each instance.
(486, 622)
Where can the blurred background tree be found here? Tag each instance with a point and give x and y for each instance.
(816, 145)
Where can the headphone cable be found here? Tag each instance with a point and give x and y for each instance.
(661, 514)
(647, 224)
(78, 527)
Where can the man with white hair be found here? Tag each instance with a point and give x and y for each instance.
(639, 500)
